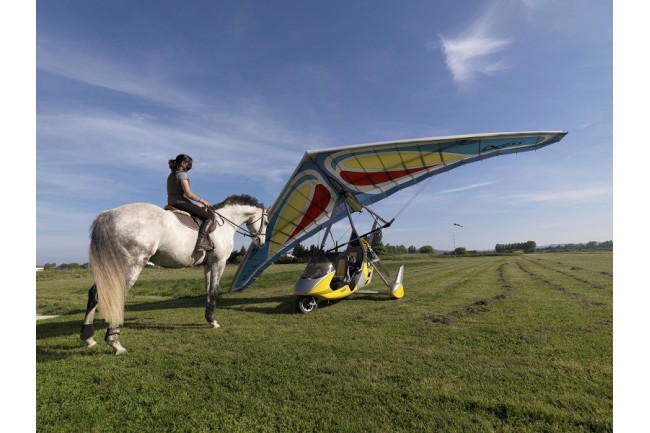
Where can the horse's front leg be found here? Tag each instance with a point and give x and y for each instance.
(213, 272)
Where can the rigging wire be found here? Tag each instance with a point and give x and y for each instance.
(408, 203)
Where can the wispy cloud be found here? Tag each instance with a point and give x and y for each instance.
(226, 138)
(88, 141)
(89, 65)
(477, 49)
(580, 195)
(465, 187)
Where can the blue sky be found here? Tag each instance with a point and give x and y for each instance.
(247, 87)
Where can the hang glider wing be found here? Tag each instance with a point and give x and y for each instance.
(366, 174)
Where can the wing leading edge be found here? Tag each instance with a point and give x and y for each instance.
(368, 172)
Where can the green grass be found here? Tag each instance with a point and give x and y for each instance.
(478, 344)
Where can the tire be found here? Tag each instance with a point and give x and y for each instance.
(306, 304)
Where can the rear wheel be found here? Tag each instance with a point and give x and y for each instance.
(306, 304)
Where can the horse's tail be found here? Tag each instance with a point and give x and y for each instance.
(107, 262)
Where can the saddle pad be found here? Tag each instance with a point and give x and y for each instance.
(185, 218)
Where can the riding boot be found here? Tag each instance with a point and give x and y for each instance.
(203, 243)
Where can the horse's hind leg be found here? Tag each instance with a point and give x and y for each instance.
(87, 329)
(112, 336)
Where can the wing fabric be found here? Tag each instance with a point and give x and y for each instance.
(369, 172)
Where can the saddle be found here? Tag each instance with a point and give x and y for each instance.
(187, 219)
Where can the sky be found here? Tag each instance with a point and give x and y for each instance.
(247, 87)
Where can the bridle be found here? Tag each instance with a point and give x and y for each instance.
(245, 232)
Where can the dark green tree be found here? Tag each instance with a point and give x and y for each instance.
(377, 245)
(300, 251)
(529, 247)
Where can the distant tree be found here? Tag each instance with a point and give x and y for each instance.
(300, 251)
(529, 246)
(412, 249)
(394, 249)
(426, 249)
(236, 256)
(377, 245)
(460, 251)
(592, 245)
(313, 250)
(49, 265)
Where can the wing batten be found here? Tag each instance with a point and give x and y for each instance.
(370, 172)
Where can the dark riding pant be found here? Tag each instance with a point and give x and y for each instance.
(194, 209)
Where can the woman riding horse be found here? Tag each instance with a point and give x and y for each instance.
(179, 195)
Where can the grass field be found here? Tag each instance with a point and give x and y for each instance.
(518, 343)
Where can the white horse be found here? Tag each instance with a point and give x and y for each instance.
(123, 240)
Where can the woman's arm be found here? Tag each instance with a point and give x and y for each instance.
(187, 192)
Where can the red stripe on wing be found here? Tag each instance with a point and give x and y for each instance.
(319, 202)
(360, 178)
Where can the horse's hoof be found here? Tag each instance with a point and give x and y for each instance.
(214, 324)
(117, 348)
(90, 342)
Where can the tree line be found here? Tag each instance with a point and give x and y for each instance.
(589, 246)
(527, 247)
(235, 258)
(300, 252)
(531, 246)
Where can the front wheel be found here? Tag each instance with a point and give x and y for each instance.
(306, 304)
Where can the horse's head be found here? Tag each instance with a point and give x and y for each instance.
(257, 225)
(239, 209)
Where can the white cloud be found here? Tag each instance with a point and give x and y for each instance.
(478, 49)
(472, 55)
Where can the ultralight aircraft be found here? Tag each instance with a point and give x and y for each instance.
(330, 185)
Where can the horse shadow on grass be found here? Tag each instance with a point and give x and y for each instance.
(54, 328)
(265, 305)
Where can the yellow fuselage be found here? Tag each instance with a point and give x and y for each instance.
(321, 288)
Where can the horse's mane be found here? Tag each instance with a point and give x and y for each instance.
(239, 199)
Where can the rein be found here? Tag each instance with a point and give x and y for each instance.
(238, 229)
